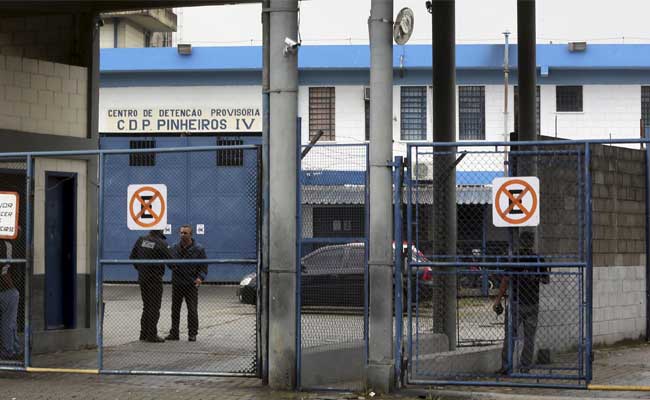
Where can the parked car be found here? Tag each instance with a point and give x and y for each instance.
(333, 276)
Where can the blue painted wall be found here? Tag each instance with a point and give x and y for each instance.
(224, 199)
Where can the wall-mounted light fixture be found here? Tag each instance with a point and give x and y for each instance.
(184, 49)
(577, 46)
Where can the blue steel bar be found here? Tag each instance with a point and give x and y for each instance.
(647, 236)
(409, 244)
(176, 373)
(588, 238)
(397, 235)
(333, 240)
(128, 151)
(498, 384)
(547, 376)
(366, 272)
(298, 256)
(337, 145)
(183, 261)
(531, 143)
(29, 264)
(99, 271)
(498, 264)
(13, 260)
(486, 152)
(10, 368)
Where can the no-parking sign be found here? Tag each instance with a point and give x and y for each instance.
(146, 207)
(515, 201)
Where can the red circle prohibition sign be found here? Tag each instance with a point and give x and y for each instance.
(516, 201)
(147, 206)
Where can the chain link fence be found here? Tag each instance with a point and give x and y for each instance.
(193, 309)
(333, 266)
(13, 274)
(497, 306)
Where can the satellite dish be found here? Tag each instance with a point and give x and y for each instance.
(403, 27)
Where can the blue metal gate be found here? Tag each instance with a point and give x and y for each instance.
(495, 306)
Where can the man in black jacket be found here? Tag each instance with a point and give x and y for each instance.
(186, 279)
(153, 246)
(524, 302)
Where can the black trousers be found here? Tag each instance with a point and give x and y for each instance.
(151, 290)
(191, 295)
(527, 316)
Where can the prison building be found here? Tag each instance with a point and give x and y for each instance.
(159, 98)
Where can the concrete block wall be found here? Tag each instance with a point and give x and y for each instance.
(43, 96)
(618, 194)
(46, 37)
(618, 243)
(619, 303)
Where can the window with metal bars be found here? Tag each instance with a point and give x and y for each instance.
(645, 106)
(230, 157)
(568, 98)
(142, 159)
(537, 108)
(413, 112)
(321, 112)
(471, 112)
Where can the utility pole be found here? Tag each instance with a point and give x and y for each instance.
(380, 370)
(506, 79)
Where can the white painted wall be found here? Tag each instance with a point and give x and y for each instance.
(614, 109)
(107, 34)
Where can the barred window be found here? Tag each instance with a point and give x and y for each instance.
(471, 112)
(568, 98)
(413, 105)
(230, 157)
(537, 108)
(645, 106)
(321, 112)
(142, 159)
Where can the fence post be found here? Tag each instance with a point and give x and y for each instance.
(298, 256)
(398, 253)
(588, 249)
(99, 300)
(29, 259)
(647, 236)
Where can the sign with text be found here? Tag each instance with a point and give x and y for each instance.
(182, 119)
(9, 215)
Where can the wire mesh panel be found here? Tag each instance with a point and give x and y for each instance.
(13, 276)
(499, 303)
(193, 309)
(333, 274)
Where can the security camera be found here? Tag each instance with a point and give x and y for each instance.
(290, 46)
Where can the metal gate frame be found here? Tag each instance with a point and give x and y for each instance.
(29, 158)
(302, 151)
(101, 262)
(404, 356)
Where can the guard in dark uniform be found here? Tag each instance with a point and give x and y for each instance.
(153, 246)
